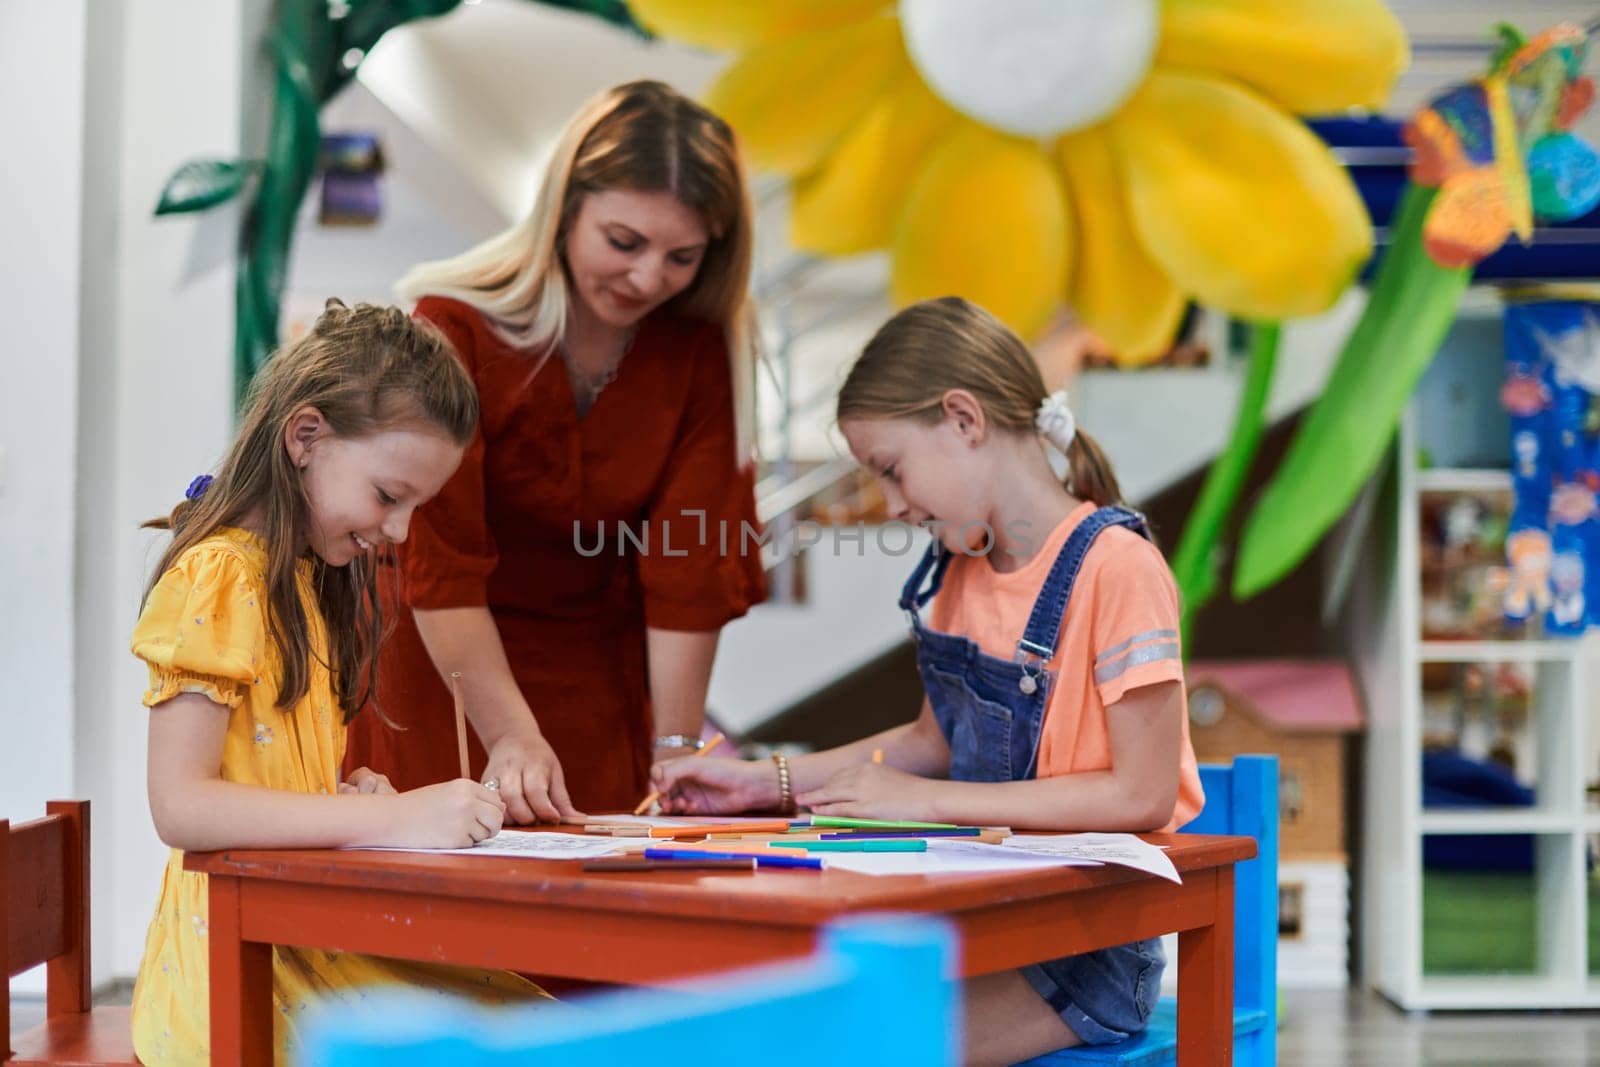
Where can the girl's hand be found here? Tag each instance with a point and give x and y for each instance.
(454, 814)
(661, 756)
(529, 775)
(707, 785)
(366, 780)
(872, 791)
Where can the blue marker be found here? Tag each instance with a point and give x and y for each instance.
(798, 862)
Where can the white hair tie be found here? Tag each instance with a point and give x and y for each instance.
(1054, 420)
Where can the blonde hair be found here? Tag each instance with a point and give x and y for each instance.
(367, 369)
(642, 136)
(935, 346)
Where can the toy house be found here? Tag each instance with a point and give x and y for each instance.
(1303, 711)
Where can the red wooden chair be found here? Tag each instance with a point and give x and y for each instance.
(44, 918)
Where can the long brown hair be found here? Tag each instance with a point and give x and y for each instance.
(935, 346)
(367, 369)
(643, 136)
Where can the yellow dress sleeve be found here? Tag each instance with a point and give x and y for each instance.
(203, 628)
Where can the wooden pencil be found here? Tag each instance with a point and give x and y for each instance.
(461, 724)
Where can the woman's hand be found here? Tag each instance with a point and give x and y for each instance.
(454, 814)
(711, 786)
(366, 780)
(872, 791)
(529, 776)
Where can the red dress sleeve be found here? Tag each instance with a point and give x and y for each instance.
(450, 553)
(714, 572)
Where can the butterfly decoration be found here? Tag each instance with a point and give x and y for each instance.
(1500, 148)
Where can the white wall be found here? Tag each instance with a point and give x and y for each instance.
(42, 46)
(186, 70)
(120, 373)
(96, 652)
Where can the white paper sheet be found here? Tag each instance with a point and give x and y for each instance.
(1125, 850)
(948, 856)
(535, 845)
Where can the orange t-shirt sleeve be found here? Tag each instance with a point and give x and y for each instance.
(450, 553)
(1134, 627)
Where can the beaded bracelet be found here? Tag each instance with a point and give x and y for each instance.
(786, 804)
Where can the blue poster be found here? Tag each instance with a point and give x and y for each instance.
(1553, 541)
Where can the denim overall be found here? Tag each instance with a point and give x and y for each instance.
(990, 711)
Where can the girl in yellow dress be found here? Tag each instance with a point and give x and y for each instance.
(260, 631)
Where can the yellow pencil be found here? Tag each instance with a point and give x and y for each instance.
(877, 755)
(461, 723)
(644, 805)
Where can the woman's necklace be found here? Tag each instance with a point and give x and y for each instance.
(588, 385)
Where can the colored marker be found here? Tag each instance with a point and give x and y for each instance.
(879, 824)
(871, 835)
(903, 844)
(741, 863)
(776, 826)
(799, 862)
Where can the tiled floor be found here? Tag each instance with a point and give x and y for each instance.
(1349, 1029)
(1335, 1029)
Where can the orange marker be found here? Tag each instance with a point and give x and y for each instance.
(877, 755)
(655, 795)
(774, 827)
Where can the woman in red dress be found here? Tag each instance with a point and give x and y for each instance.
(575, 570)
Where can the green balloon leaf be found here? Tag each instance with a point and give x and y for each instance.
(204, 183)
(1196, 562)
(1410, 308)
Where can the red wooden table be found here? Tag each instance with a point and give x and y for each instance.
(550, 917)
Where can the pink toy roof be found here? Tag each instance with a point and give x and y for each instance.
(1293, 695)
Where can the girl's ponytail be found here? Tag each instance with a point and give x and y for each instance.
(185, 509)
(1089, 473)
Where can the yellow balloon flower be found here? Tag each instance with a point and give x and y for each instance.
(1122, 155)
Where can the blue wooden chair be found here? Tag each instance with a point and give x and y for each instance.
(877, 991)
(1240, 799)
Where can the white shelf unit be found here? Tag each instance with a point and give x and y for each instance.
(1384, 625)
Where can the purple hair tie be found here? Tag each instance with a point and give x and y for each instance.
(197, 487)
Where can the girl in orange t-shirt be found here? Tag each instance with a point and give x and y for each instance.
(1051, 662)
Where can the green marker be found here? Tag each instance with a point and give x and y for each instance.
(878, 824)
(867, 844)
